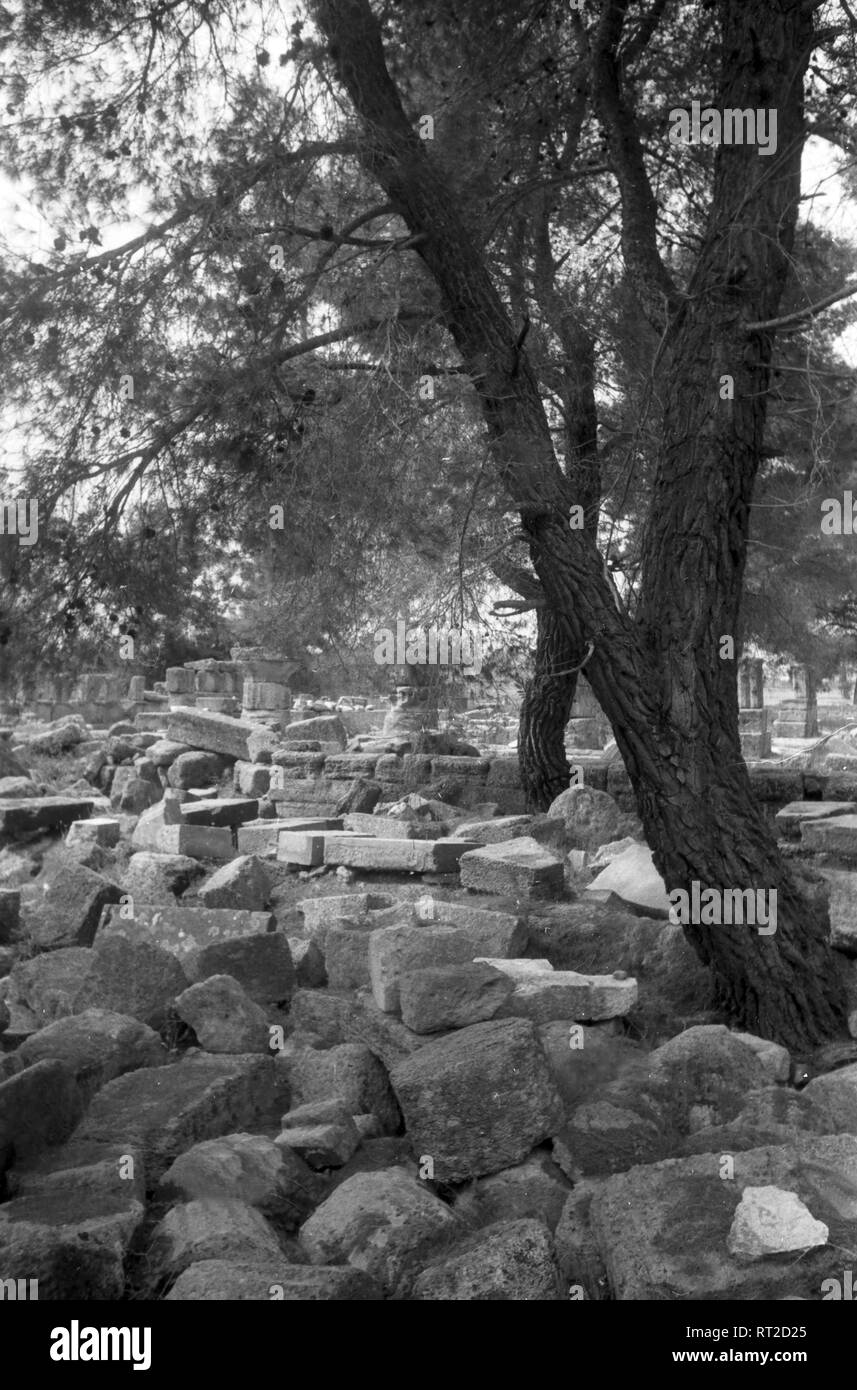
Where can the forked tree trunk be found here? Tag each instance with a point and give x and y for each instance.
(660, 677)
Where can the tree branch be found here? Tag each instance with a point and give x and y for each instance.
(658, 295)
(800, 314)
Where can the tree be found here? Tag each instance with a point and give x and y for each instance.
(562, 131)
(660, 678)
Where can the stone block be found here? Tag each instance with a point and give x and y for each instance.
(478, 1100)
(520, 867)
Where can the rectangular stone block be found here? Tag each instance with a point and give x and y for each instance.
(197, 841)
(261, 837)
(308, 790)
(834, 835)
(799, 813)
(99, 830)
(520, 867)
(301, 847)
(395, 856)
(565, 994)
(40, 813)
(218, 733)
(397, 950)
(388, 827)
(220, 811)
(182, 930)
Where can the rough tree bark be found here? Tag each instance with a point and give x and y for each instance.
(670, 699)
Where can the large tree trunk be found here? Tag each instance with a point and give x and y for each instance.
(545, 710)
(670, 698)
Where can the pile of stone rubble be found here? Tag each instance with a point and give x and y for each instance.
(280, 1020)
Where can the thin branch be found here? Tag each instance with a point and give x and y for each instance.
(800, 314)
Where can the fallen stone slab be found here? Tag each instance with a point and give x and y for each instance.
(163, 830)
(262, 964)
(498, 830)
(70, 906)
(250, 1167)
(394, 856)
(182, 930)
(390, 828)
(218, 733)
(396, 951)
(225, 1227)
(261, 837)
(633, 877)
(254, 1280)
(565, 994)
(27, 815)
(163, 1111)
(227, 810)
(662, 1230)
(521, 867)
(98, 830)
(134, 978)
(834, 835)
(224, 1017)
(792, 817)
(478, 1100)
(97, 1045)
(438, 998)
(39, 1106)
(384, 1223)
(71, 1232)
(242, 883)
(488, 925)
(301, 847)
(511, 1260)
